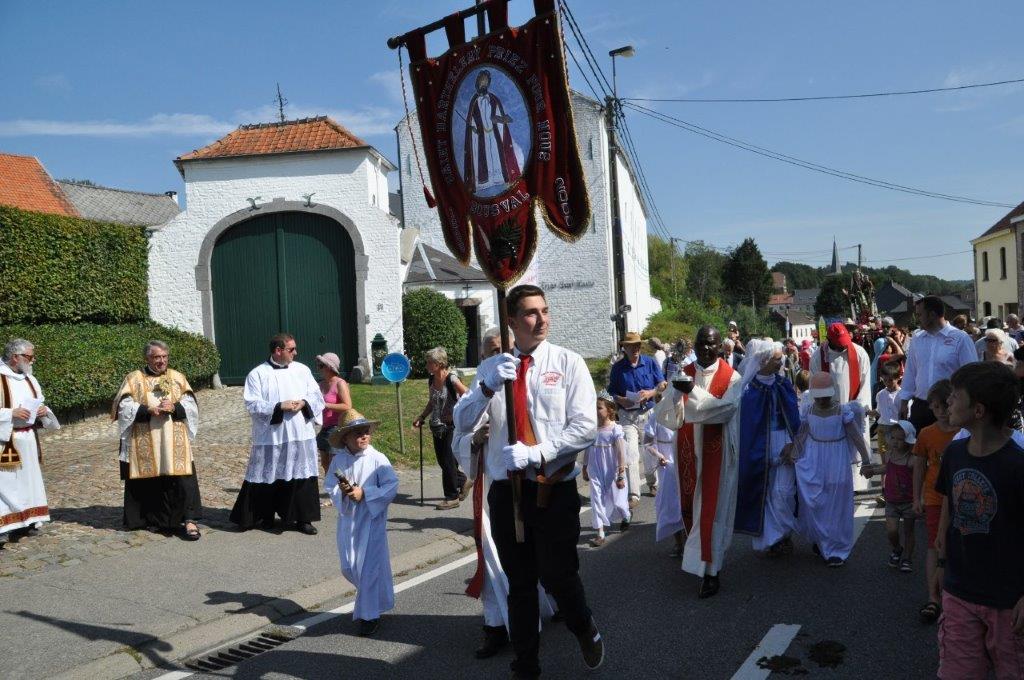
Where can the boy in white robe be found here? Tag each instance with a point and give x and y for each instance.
(362, 483)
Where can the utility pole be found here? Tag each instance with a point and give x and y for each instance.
(858, 256)
(618, 262)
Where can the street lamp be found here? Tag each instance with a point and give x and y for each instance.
(625, 51)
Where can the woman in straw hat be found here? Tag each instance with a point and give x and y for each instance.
(337, 400)
(362, 483)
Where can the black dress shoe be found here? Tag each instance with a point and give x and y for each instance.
(708, 587)
(495, 638)
(267, 524)
(306, 528)
(592, 646)
(368, 628)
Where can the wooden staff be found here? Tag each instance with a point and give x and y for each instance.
(510, 421)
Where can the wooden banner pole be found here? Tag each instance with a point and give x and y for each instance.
(510, 420)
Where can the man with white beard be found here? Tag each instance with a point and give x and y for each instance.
(23, 506)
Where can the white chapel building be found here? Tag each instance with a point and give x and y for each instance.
(286, 228)
(577, 278)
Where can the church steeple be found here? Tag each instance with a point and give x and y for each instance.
(836, 269)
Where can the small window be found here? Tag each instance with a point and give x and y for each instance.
(987, 309)
(984, 268)
(1002, 263)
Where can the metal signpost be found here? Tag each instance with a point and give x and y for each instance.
(395, 368)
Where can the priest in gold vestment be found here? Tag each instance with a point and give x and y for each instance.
(157, 415)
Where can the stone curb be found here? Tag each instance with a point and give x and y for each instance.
(196, 640)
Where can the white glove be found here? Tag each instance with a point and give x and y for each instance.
(494, 371)
(519, 456)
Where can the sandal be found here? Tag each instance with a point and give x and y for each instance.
(193, 533)
(930, 612)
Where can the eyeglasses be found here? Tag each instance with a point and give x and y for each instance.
(30, 357)
(292, 350)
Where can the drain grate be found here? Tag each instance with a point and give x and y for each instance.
(239, 652)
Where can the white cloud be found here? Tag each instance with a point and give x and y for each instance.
(391, 82)
(969, 100)
(161, 123)
(668, 90)
(367, 121)
(53, 83)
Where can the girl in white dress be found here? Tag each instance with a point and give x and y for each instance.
(826, 447)
(604, 466)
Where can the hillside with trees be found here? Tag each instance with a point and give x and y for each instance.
(805, 276)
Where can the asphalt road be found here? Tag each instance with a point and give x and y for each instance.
(651, 619)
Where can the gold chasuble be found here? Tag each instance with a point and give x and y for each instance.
(161, 446)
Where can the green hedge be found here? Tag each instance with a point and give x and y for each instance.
(80, 366)
(58, 269)
(430, 320)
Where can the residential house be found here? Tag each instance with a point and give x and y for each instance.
(25, 184)
(998, 279)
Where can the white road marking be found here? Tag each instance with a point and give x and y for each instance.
(775, 642)
(305, 624)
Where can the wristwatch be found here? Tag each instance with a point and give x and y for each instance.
(488, 392)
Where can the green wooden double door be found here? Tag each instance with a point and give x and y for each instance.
(288, 271)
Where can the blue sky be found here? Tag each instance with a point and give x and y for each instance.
(114, 91)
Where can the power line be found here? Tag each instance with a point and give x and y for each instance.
(897, 93)
(808, 165)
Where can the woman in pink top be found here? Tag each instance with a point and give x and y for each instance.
(336, 400)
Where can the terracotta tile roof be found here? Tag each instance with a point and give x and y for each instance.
(292, 136)
(25, 184)
(1004, 223)
(780, 299)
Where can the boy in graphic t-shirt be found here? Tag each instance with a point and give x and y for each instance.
(980, 542)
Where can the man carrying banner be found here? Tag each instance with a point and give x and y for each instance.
(555, 419)
(703, 407)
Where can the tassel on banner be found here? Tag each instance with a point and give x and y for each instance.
(431, 201)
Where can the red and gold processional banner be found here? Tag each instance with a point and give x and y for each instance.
(499, 138)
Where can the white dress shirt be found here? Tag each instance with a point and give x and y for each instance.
(932, 357)
(562, 405)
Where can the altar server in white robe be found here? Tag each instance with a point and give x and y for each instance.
(489, 582)
(703, 411)
(660, 444)
(361, 484)
(850, 367)
(23, 506)
(285, 404)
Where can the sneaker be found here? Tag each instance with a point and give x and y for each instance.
(597, 541)
(894, 558)
(834, 562)
(592, 647)
(906, 566)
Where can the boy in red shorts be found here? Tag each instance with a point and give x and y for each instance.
(931, 442)
(979, 542)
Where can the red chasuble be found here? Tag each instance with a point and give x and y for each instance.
(711, 469)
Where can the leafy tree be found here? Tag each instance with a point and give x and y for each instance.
(704, 271)
(799, 275)
(83, 182)
(832, 300)
(429, 320)
(668, 269)
(746, 276)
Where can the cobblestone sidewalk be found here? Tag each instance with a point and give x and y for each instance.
(86, 495)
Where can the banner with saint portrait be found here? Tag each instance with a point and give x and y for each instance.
(499, 139)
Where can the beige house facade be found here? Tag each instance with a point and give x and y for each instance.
(998, 259)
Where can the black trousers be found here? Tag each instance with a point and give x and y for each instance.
(920, 415)
(452, 478)
(163, 502)
(547, 555)
(295, 500)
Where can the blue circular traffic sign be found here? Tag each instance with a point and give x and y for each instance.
(395, 367)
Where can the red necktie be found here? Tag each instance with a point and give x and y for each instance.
(524, 430)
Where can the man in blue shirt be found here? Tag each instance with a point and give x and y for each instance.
(634, 382)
